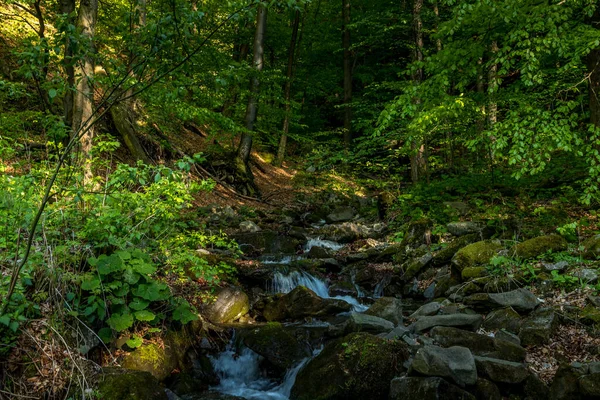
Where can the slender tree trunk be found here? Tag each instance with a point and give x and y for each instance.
(251, 109)
(418, 159)
(492, 88)
(67, 7)
(288, 89)
(347, 73)
(593, 64)
(83, 100)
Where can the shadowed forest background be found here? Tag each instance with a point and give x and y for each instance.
(153, 153)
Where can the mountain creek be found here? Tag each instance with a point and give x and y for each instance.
(332, 311)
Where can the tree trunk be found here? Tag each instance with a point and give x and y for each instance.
(251, 109)
(418, 162)
(347, 73)
(83, 100)
(492, 88)
(593, 64)
(288, 90)
(67, 7)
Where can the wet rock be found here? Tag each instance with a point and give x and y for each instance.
(591, 248)
(358, 322)
(356, 367)
(465, 321)
(341, 215)
(277, 345)
(501, 371)
(343, 288)
(212, 396)
(319, 252)
(269, 242)
(124, 384)
(464, 228)
(520, 299)
(389, 308)
(503, 334)
(480, 345)
(415, 266)
(540, 245)
(397, 333)
(539, 327)
(426, 389)
(587, 275)
(456, 363)
(249, 226)
(300, 303)
(426, 310)
(231, 303)
(475, 254)
(504, 318)
(342, 233)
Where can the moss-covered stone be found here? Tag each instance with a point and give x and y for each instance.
(388, 308)
(473, 272)
(475, 254)
(415, 233)
(591, 248)
(124, 384)
(300, 303)
(444, 255)
(590, 315)
(540, 245)
(356, 367)
(277, 345)
(231, 304)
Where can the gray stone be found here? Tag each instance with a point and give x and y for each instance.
(501, 371)
(520, 300)
(249, 226)
(587, 275)
(539, 327)
(231, 304)
(301, 303)
(466, 321)
(341, 215)
(504, 318)
(389, 308)
(464, 228)
(426, 389)
(480, 345)
(503, 334)
(319, 252)
(426, 310)
(398, 332)
(358, 322)
(540, 245)
(559, 266)
(456, 363)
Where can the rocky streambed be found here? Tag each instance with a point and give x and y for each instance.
(333, 312)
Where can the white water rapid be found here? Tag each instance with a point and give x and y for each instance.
(285, 283)
(240, 375)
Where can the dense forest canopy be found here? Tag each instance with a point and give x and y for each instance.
(119, 117)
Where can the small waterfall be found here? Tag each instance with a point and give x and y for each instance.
(318, 242)
(240, 375)
(378, 291)
(286, 283)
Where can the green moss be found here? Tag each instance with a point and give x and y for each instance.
(475, 254)
(540, 245)
(473, 272)
(123, 384)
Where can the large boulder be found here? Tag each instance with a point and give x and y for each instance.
(411, 387)
(456, 363)
(445, 254)
(125, 384)
(503, 318)
(540, 245)
(160, 360)
(501, 371)
(342, 214)
(230, 304)
(356, 367)
(358, 322)
(464, 227)
(475, 254)
(480, 345)
(466, 321)
(389, 308)
(519, 299)
(269, 242)
(276, 344)
(539, 327)
(300, 303)
(343, 233)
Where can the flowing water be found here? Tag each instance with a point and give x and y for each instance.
(240, 375)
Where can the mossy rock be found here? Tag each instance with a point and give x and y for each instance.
(124, 384)
(415, 233)
(590, 315)
(540, 245)
(473, 272)
(277, 345)
(356, 367)
(475, 254)
(300, 303)
(160, 360)
(591, 248)
(444, 255)
(231, 304)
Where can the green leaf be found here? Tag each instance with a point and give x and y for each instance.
(52, 93)
(120, 322)
(138, 304)
(184, 314)
(110, 264)
(142, 267)
(130, 276)
(105, 334)
(14, 326)
(5, 320)
(90, 282)
(134, 342)
(152, 291)
(145, 315)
